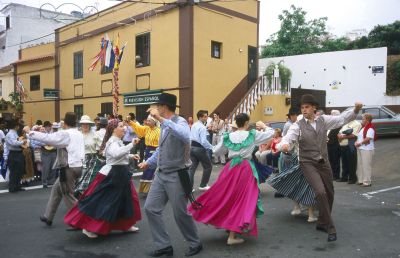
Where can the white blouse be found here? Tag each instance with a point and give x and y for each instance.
(116, 154)
(92, 142)
(238, 137)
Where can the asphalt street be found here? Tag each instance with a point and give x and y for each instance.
(367, 221)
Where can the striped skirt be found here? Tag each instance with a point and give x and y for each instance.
(292, 184)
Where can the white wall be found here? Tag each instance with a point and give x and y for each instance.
(343, 86)
(27, 24)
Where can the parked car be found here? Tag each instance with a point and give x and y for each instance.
(276, 124)
(385, 120)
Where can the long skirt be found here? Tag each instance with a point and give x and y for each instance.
(148, 174)
(92, 165)
(29, 170)
(291, 183)
(231, 202)
(110, 203)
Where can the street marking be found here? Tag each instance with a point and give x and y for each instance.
(26, 188)
(396, 213)
(369, 194)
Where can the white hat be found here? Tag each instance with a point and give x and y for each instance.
(85, 119)
(55, 125)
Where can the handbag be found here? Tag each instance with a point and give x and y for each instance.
(348, 131)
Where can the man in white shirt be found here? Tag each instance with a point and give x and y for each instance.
(72, 140)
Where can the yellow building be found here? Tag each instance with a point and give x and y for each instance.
(35, 69)
(205, 53)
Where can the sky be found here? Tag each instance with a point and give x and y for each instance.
(343, 15)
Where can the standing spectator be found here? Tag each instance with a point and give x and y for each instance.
(347, 137)
(128, 137)
(217, 126)
(102, 128)
(198, 151)
(190, 121)
(49, 155)
(26, 151)
(273, 156)
(334, 149)
(71, 140)
(365, 148)
(16, 160)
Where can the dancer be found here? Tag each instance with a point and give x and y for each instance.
(111, 201)
(233, 201)
(70, 153)
(310, 132)
(151, 134)
(172, 160)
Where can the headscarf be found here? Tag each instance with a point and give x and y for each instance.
(112, 124)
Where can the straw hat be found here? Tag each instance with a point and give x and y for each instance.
(85, 119)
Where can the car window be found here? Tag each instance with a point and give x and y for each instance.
(373, 111)
(383, 114)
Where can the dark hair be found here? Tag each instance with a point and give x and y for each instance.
(99, 114)
(170, 108)
(47, 124)
(11, 124)
(217, 113)
(132, 115)
(39, 122)
(120, 118)
(70, 119)
(112, 124)
(201, 113)
(241, 119)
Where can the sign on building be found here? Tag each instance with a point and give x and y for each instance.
(51, 94)
(136, 99)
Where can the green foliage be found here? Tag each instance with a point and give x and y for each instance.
(393, 78)
(298, 36)
(285, 74)
(16, 100)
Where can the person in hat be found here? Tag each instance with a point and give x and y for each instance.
(310, 133)
(110, 202)
(70, 154)
(172, 160)
(151, 135)
(92, 144)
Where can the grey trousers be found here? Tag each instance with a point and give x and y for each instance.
(63, 190)
(167, 187)
(48, 173)
(200, 155)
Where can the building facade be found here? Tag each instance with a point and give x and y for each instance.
(205, 53)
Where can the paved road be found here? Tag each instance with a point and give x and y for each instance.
(368, 225)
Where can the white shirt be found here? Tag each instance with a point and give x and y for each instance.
(238, 137)
(331, 122)
(92, 142)
(116, 154)
(355, 125)
(371, 135)
(71, 139)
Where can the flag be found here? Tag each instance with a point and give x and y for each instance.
(109, 50)
(112, 58)
(21, 90)
(121, 53)
(116, 52)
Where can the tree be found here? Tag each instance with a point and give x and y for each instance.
(299, 36)
(386, 36)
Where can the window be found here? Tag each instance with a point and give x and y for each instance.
(1, 88)
(384, 115)
(78, 110)
(8, 22)
(373, 111)
(143, 50)
(35, 82)
(78, 65)
(106, 69)
(107, 108)
(216, 49)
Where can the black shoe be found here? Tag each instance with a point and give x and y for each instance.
(332, 237)
(278, 195)
(167, 251)
(194, 250)
(321, 228)
(46, 220)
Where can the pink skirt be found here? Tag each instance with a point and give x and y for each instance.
(77, 219)
(231, 202)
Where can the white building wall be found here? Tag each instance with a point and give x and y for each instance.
(27, 24)
(346, 76)
(7, 85)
